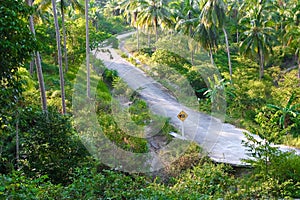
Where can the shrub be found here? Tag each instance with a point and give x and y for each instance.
(50, 146)
(171, 59)
(109, 75)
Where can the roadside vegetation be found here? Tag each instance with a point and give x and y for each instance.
(253, 44)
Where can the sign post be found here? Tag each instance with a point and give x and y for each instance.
(182, 116)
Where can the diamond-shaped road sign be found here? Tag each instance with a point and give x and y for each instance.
(182, 115)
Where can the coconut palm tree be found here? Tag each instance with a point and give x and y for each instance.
(61, 73)
(63, 5)
(182, 13)
(207, 37)
(234, 13)
(213, 14)
(258, 35)
(292, 35)
(111, 8)
(130, 9)
(38, 65)
(154, 13)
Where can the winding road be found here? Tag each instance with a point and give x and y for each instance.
(222, 141)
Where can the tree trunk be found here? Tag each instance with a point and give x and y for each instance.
(211, 56)
(156, 30)
(192, 56)
(149, 39)
(191, 42)
(87, 46)
(261, 64)
(64, 36)
(228, 54)
(138, 37)
(61, 72)
(38, 66)
(17, 141)
(31, 66)
(298, 61)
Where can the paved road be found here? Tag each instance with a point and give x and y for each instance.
(220, 140)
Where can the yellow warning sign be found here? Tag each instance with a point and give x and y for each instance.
(182, 115)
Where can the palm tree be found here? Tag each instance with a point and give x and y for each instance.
(61, 73)
(234, 13)
(292, 34)
(258, 36)
(87, 46)
(38, 65)
(63, 5)
(111, 8)
(154, 13)
(213, 14)
(182, 13)
(207, 38)
(130, 10)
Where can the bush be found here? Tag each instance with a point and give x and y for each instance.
(172, 60)
(109, 75)
(50, 146)
(18, 186)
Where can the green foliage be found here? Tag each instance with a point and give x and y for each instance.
(250, 94)
(45, 34)
(139, 112)
(164, 57)
(196, 81)
(50, 145)
(112, 25)
(204, 181)
(107, 122)
(192, 156)
(17, 45)
(288, 113)
(18, 186)
(216, 89)
(260, 148)
(114, 42)
(276, 171)
(97, 38)
(109, 76)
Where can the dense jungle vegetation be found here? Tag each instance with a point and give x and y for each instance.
(44, 44)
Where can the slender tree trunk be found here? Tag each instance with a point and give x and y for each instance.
(138, 37)
(61, 72)
(41, 81)
(156, 30)
(299, 67)
(149, 39)
(65, 37)
(261, 64)
(228, 54)
(190, 36)
(192, 55)
(87, 46)
(17, 140)
(31, 66)
(38, 66)
(211, 56)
